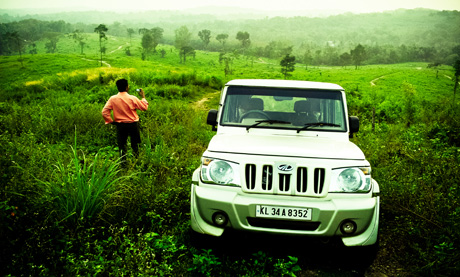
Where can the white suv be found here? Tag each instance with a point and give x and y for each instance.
(281, 162)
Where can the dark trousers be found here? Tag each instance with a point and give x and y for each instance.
(125, 130)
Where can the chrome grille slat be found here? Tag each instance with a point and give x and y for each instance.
(319, 180)
(267, 177)
(302, 175)
(250, 176)
(302, 181)
(284, 182)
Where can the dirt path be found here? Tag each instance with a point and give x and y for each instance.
(103, 62)
(201, 104)
(119, 48)
(448, 77)
(375, 80)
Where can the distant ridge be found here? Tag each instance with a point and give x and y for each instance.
(215, 10)
(236, 13)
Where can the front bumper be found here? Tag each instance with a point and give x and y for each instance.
(327, 213)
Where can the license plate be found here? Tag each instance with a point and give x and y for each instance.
(283, 212)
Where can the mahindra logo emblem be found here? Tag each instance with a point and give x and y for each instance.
(285, 167)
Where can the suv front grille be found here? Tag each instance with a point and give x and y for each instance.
(298, 181)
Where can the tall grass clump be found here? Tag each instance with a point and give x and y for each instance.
(81, 189)
(153, 78)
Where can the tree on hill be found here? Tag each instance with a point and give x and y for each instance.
(143, 31)
(130, 33)
(51, 45)
(117, 29)
(358, 55)
(147, 44)
(345, 59)
(227, 59)
(79, 37)
(186, 51)
(243, 37)
(150, 40)
(205, 36)
(101, 30)
(222, 38)
(287, 65)
(182, 40)
(157, 35)
(16, 43)
(307, 58)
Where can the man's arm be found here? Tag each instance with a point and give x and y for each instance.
(143, 104)
(142, 93)
(106, 112)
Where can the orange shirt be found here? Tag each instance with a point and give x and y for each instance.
(124, 108)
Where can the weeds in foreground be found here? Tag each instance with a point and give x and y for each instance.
(80, 190)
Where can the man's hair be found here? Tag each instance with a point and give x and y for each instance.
(122, 84)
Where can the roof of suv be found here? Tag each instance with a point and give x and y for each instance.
(283, 84)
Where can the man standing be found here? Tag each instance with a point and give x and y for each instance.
(124, 107)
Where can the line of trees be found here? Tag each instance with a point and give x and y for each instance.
(21, 37)
(16, 36)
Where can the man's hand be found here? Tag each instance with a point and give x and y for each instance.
(142, 93)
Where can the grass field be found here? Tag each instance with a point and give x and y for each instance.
(134, 220)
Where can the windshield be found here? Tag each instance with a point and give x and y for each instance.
(284, 108)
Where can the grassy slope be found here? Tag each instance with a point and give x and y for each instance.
(414, 145)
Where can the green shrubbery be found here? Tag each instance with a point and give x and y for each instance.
(78, 192)
(418, 177)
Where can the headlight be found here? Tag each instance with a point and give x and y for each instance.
(220, 172)
(352, 179)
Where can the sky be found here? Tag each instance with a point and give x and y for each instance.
(357, 6)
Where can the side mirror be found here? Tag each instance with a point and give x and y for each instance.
(212, 119)
(353, 123)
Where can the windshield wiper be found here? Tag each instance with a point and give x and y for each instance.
(316, 124)
(270, 121)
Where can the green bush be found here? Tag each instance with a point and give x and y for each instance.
(78, 192)
(122, 253)
(205, 264)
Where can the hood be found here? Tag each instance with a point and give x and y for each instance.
(290, 146)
